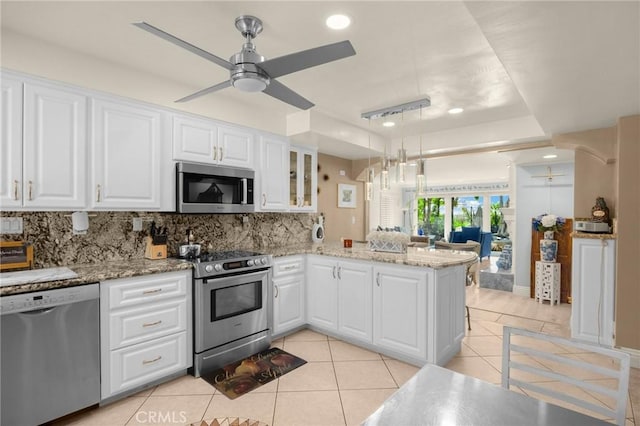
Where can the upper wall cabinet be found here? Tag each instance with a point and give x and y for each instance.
(303, 179)
(126, 160)
(205, 141)
(272, 174)
(44, 168)
(11, 149)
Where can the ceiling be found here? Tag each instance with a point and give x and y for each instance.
(522, 70)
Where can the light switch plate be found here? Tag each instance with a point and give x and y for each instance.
(11, 225)
(137, 224)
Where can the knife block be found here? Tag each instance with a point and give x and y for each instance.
(154, 251)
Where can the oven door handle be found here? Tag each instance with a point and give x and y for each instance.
(244, 191)
(235, 277)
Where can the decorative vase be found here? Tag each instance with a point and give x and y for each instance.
(548, 247)
(504, 261)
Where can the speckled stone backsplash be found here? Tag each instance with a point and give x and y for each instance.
(111, 236)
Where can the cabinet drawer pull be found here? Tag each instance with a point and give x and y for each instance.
(333, 272)
(264, 199)
(157, 290)
(215, 153)
(276, 287)
(290, 267)
(97, 193)
(151, 361)
(30, 190)
(151, 324)
(15, 190)
(339, 272)
(221, 152)
(378, 279)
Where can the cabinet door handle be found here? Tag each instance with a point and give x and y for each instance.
(339, 272)
(221, 152)
(264, 199)
(151, 361)
(15, 190)
(378, 279)
(30, 190)
(151, 324)
(276, 287)
(333, 272)
(157, 290)
(290, 267)
(98, 189)
(215, 153)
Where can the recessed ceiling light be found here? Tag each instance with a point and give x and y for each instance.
(388, 124)
(550, 156)
(338, 22)
(455, 110)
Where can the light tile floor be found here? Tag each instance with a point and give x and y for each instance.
(341, 384)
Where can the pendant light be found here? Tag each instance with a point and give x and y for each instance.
(368, 185)
(385, 162)
(402, 154)
(420, 168)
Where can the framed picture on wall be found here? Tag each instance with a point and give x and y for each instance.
(346, 196)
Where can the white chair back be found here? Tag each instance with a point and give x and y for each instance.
(566, 361)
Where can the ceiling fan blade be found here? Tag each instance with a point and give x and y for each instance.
(202, 92)
(282, 92)
(288, 64)
(185, 45)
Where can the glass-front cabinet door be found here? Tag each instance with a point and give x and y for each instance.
(303, 179)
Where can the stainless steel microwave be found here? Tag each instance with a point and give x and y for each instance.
(202, 188)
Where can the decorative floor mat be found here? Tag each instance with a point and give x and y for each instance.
(230, 421)
(243, 376)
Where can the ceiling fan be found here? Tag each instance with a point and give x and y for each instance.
(250, 72)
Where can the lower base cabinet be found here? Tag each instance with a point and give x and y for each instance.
(288, 294)
(145, 330)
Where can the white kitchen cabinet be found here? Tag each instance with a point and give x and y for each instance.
(11, 149)
(303, 179)
(272, 174)
(207, 141)
(445, 313)
(44, 150)
(288, 294)
(340, 296)
(145, 331)
(400, 310)
(127, 142)
(593, 290)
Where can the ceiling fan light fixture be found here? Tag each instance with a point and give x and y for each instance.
(338, 22)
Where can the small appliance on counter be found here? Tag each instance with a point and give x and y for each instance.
(156, 243)
(15, 255)
(317, 233)
(189, 250)
(592, 227)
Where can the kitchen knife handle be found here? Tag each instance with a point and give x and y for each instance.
(378, 279)
(15, 190)
(244, 191)
(276, 287)
(30, 190)
(98, 193)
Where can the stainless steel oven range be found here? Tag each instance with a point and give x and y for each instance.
(231, 307)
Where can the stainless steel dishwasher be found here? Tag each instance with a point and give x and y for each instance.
(50, 354)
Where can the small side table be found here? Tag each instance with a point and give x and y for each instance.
(548, 282)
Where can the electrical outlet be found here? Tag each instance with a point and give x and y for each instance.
(137, 224)
(353, 220)
(245, 219)
(11, 225)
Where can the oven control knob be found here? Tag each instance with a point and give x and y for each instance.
(264, 260)
(250, 262)
(208, 268)
(217, 267)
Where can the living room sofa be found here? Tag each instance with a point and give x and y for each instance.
(472, 233)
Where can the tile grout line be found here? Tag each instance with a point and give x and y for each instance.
(335, 376)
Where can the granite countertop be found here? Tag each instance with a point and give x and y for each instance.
(96, 272)
(415, 256)
(592, 236)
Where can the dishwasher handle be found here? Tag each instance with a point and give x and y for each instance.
(38, 311)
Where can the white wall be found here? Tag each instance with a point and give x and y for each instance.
(537, 196)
